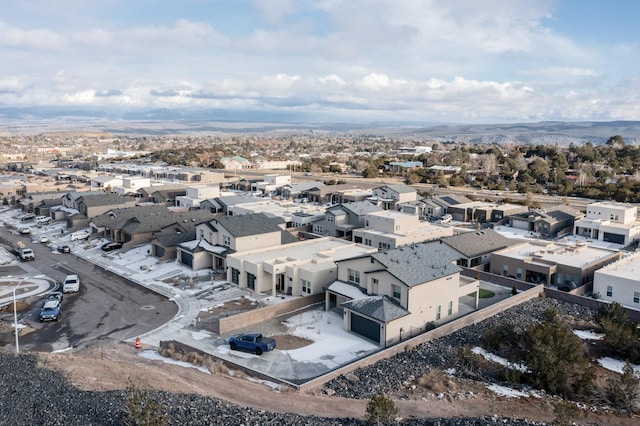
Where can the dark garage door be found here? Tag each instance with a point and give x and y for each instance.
(613, 238)
(365, 327)
(187, 259)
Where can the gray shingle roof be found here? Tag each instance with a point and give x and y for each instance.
(379, 308)
(144, 219)
(477, 243)
(361, 208)
(418, 263)
(249, 224)
(104, 199)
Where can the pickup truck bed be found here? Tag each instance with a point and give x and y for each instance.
(252, 342)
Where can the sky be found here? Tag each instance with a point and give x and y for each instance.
(416, 61)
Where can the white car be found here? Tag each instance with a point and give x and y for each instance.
(43, 220)
(80, 235)
(44, 239)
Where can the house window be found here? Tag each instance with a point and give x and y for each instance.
(636, 297)
(519, 273)
(367, 242)
(354, 276)
(330, 218)
(235, 276)
(395, 289)
(505, 270)
(438, 312)
(366, 223)
(450, 308)
(226, 240)
(384, 246)
(251, 281)
(306, 286)
(374, 286)
(609, 291)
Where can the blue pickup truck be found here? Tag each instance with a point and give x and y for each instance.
(252, 342)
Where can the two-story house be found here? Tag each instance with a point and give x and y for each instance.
(609, 222)
(219, 237)
(390, 229)
(340, 220)
(196, 194)
(392, 295)
(390, 197)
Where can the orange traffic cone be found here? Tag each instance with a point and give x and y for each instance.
(138, 343)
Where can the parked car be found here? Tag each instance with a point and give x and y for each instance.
(25, 230)
(43, 220)
(64, 249)
(44, 239)
(71, 284)
(55, 295)
(252, 342)
(50, 311)
(80, 235)
(27, 217)
(113, 245)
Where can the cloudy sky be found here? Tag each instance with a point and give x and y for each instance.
(428, 61)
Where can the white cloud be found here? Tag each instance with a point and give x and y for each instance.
(40, 38)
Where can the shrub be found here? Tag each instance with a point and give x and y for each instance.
(621, 334)
(141, 410)
(381, 410)
(624, 391)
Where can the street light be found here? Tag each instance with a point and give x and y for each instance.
(15, 317)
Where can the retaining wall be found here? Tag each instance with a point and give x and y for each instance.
(436, 333)
(244, 319)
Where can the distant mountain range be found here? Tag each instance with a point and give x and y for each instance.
(35, 120)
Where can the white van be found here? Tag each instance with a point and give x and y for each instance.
(71, 284)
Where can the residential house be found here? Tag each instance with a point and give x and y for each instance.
(225, 235)
(564, 266)
(336, 194)
(196, 194)
(235, 163)
(139, 225)
(161, 194)
(390, 197)
(393, 295)
(618, 282)
(474, 248)
(300, 189)
(106, 182)
(550, 223)
(390, 229)
(484, 212)
(131, 185)
(433, 207)
(270, 184)
(340, 220)
(609, 222)
(298, 269)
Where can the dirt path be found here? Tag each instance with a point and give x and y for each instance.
(109, 368)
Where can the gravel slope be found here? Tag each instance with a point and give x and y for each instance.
(30, 394)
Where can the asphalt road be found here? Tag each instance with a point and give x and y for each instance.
(107, 306)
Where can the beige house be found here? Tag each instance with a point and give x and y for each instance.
(224, 235)
(389, 229)
(297, 269)
(389, 296)
(565, 266)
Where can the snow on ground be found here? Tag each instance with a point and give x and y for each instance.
(508, 392)
(498, 359)
(616, 365)
(325, 328)
(152, 354)
(588, 335)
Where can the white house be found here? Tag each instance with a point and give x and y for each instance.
(609, 222)
(619, 282)
(389, 229)
(196, 194)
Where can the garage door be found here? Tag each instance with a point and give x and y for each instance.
(365, 327)
(187, 259)
(613, 238)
